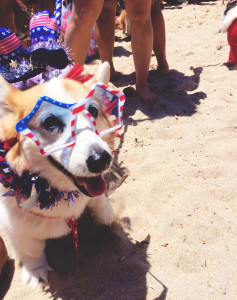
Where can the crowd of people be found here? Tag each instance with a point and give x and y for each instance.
(147, 28)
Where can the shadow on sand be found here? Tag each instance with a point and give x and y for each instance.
(175, 92)
(110, 265)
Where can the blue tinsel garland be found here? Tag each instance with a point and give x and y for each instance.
(21, 187)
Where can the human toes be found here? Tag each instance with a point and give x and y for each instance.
(146, 95)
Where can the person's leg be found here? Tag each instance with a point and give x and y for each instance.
(43, 5)
(105, 32)
(79, 28)
(6, 14)
(19, 19)
(139, 13)
(159, 37)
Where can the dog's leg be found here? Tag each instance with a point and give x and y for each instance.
(30, 251)
(33, 269)
(102, 210)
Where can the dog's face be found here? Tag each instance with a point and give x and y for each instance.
(85, 162)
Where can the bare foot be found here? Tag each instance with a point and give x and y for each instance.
(146, 95)
(163, 68)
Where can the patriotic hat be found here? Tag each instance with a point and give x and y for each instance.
(14, 59)
(10, 46)
(44, 34)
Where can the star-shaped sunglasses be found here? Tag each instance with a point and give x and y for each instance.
(52, 115)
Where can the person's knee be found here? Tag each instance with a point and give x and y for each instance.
(85, 14)
(85, 18)
(139, 16)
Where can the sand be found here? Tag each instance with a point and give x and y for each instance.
(176, 230)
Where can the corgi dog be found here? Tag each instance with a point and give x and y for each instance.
(78, 167)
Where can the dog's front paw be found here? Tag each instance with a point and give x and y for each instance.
(105, 214)
(34, 269)
(102, 210)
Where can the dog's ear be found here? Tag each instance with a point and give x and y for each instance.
(104, 73)
(8, 114)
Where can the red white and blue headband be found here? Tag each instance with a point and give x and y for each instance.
(112, 100)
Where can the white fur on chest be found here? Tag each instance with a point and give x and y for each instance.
(51, 223)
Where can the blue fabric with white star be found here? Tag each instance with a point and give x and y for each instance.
(43, 33)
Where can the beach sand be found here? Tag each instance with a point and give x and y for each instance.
(176, 231)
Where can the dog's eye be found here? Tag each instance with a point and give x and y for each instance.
(93, 110)
(52, 123)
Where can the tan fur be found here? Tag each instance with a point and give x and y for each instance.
(120, 22)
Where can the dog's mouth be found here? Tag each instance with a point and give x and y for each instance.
(94, 186)
(90, 186)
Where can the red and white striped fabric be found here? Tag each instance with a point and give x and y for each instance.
(43, 20)
(79, 107)
(27, 132)
(9, 44)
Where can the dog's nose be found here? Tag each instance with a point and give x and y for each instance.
(98, 162)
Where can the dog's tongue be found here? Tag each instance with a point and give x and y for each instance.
(95, 186)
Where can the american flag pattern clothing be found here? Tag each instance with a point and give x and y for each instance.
(112, 100)
(15, 64)
(43, 28)
(10, 47)
(18, 64)
(9, 43)
(44, 34)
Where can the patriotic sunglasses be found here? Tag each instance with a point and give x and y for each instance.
(112, 102)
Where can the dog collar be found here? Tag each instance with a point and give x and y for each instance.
(61, 168)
